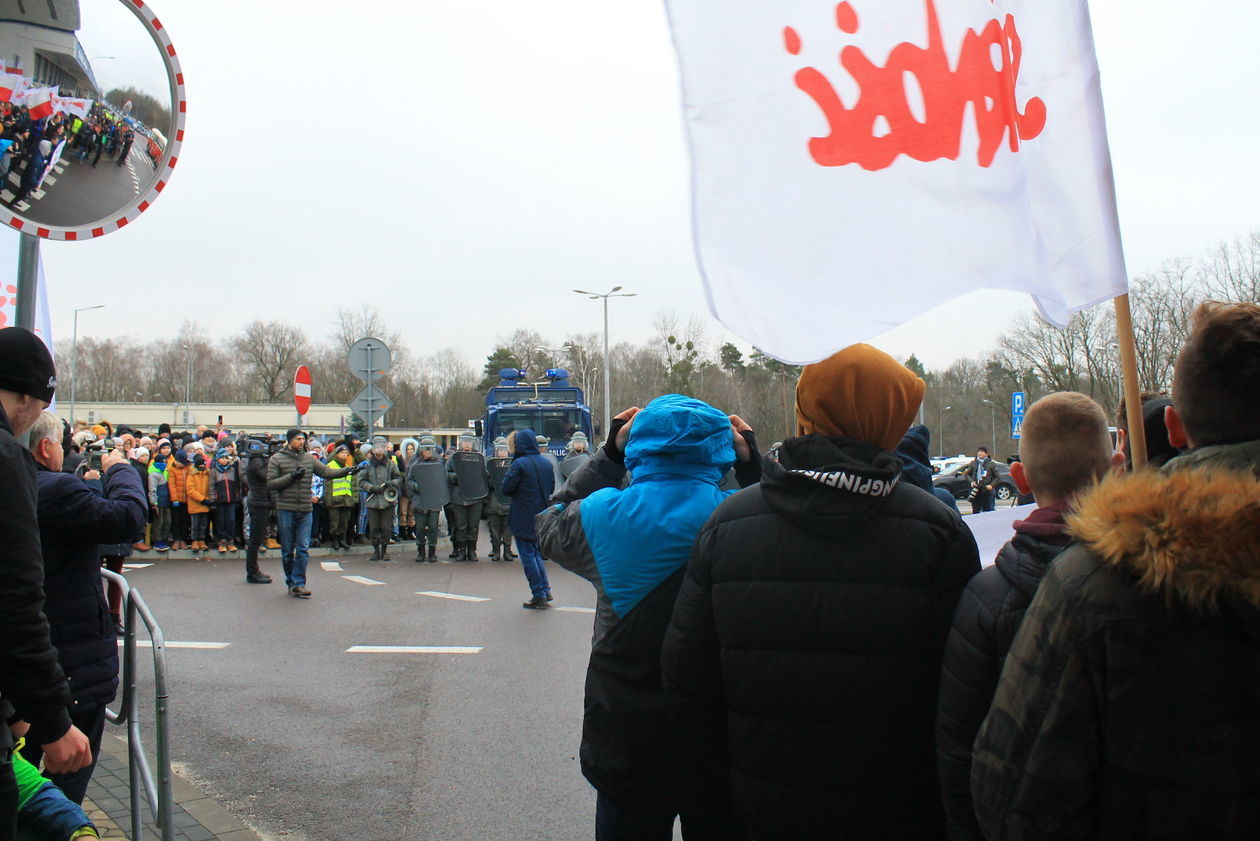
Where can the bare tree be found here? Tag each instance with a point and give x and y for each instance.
(271, 352)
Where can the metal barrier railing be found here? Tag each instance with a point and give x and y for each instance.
(158, 794)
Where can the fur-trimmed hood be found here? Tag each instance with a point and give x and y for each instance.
(1191, 531)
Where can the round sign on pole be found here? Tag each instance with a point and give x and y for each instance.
(302, 390)
(369, 359)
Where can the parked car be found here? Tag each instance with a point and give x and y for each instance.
(960, 486)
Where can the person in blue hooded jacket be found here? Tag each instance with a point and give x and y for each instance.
(529, 482)
(633, 545)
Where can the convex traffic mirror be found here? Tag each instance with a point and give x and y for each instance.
(92, 107)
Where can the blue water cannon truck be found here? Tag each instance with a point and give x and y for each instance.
(552, 407)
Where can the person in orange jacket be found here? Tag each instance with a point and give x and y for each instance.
(177, 471)
(200, 498)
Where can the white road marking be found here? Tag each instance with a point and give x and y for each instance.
(414, 649)
(576, 609)
(330, 566)
(135, 566)
(454, 596)
(359, 579)
(209, 646)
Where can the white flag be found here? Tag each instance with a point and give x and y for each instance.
(855, 165)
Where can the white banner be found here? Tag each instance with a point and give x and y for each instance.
(72, 105)
(9, 241)
(855, 165)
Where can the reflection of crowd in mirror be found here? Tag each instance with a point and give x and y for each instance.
(26, 145)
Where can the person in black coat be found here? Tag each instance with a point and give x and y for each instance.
(804, 651)
(1066, 449)
(260, 503)
(33, 688)
(74, 520)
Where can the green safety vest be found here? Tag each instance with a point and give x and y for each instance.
(343, 486)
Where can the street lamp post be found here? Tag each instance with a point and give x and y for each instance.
(940, 426)
(74, 357)
(188, 386)
(615, 292)
(992, 424)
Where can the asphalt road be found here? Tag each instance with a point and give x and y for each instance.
(304, 740)
(80, 193)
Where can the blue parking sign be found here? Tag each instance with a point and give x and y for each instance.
(1017, 404)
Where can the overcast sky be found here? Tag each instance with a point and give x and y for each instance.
(463, 166)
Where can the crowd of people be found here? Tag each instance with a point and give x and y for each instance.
(819, 654)
(27, 145)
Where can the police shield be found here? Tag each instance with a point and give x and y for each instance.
(427, 482)
(570, 465)
(498, 468)
(470, 470)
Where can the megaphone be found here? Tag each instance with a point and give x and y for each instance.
(391, 494)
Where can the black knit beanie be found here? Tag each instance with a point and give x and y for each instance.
(26, 366)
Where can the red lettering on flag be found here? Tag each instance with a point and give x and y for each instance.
(946, 91)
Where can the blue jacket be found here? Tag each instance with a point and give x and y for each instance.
(529, 482)
(633, 546)
(73, 522)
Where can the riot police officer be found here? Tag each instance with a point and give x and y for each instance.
(498, 505)
(470, 485)
(430, 493)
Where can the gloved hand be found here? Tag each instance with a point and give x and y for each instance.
(297, 474)
(615, 446)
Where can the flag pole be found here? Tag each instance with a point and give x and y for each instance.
(1132, 388)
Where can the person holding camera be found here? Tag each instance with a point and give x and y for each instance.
(259, 502)
(984, 479)
(76, 522)
(289, 475)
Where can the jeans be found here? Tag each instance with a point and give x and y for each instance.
(614, 822)
(535, 573)
(295, 539)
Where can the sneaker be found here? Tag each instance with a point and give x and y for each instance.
(299, 591)
(258, 578)
(162, 546)
(536, 604)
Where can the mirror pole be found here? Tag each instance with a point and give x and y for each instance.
(27, 281)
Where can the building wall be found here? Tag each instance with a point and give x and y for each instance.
(324, 420)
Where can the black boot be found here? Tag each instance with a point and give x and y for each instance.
(433, 553)
(376, 552)
(470, 552)
(494, 552)
(419, 553)
(254, 575)
(457, 551)
(384, 552)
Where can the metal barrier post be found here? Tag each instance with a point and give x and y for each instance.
(158, 794)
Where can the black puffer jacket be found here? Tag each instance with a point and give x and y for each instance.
(73, 520)
(988, 615)
(805, 647)
(260, 496)
(30, 678)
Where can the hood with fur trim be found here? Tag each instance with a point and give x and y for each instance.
(1190, 534)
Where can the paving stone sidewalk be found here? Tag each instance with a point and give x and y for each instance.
(195, 816)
